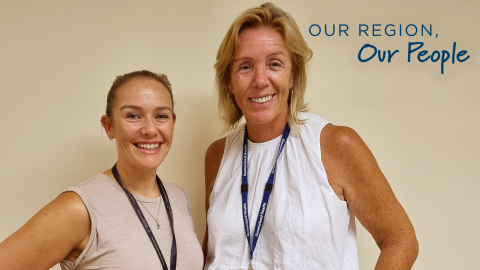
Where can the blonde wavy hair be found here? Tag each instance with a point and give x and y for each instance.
(267, 15)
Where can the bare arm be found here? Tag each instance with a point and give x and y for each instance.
(213, 158)
(355, 176)
(60, 230)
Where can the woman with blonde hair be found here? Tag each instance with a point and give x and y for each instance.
(282, 190)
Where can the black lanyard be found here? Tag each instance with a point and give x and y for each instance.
(266, 192)
(138, 211)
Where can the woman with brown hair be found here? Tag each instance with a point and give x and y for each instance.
(126, 217)
(282, 190)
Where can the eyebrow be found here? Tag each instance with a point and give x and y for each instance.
(248, 58)
(161, 108)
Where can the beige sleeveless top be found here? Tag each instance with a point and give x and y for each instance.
(119, 241)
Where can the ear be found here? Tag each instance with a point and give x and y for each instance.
(107, 125)
(230, 88)
(174, 118)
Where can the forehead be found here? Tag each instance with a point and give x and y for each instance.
(143, 91)
(263, 38)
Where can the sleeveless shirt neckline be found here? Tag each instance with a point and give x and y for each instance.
(140, 198)
(264, 145)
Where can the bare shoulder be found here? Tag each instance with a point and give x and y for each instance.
(72, 202)
(68, 207)
(343, 154)
(351, 167)
(213, 158)
(342, 147)
(216, 148)
(57, 230)
(340, 138)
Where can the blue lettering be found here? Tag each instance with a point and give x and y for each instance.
(340, 29)
(375, 30)
(310, 30)
(390, 55)
(422, 53)
(444, 59)
(361, 50)
(438, 56)
(360, 30)
(381, 58)
(381, 55)
(462, 53)
(429, 32)
(416, 30)
(453, 53)
(332, 32)
(410, 48)
(393, 30)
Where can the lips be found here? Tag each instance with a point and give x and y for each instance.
(148, 146)
(262, 99)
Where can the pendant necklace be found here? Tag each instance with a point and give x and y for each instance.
(159, 204)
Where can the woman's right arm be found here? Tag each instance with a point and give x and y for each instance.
(59, 230)
(213, 158)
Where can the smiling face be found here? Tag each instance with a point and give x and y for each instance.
(142, 123)
(261, 76)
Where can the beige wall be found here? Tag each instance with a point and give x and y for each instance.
(58, 58)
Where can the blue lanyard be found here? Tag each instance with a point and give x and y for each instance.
(266, 192)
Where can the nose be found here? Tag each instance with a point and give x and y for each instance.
(149, 128)
(261, 77)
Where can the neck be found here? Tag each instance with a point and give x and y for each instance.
(138, 181)
(259, 133)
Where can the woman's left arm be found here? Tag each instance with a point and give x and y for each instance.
(354, 175)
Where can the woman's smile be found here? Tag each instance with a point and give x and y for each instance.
(148, 147)
(262, 100)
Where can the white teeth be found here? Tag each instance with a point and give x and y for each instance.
(148, 146)
(261, 100)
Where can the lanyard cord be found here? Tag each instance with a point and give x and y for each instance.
(138, 211)
(266, 192)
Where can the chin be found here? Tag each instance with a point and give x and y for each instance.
(260, 118)
(150, 164)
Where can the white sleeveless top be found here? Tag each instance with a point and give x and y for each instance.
(306, 225)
